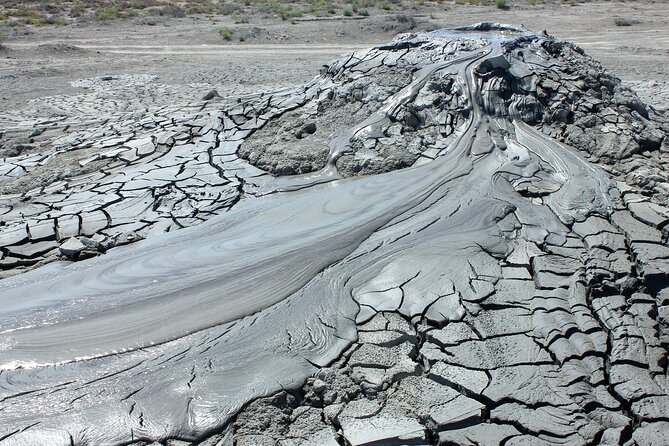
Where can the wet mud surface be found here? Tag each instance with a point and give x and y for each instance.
(475, 253)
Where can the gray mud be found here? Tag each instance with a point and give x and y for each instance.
(468, 255)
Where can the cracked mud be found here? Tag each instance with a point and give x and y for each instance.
(459, 237)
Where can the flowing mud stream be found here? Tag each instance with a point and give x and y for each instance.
(169, 337)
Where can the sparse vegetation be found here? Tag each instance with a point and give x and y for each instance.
(199, 8)
(107, 13)
(230, 8)
(499, 4)
(172, 11)
(621, 21)
(240, 18)
(284, 10)
(63, 12)
(225, 32)
(403, 18)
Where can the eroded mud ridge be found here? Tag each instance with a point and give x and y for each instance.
(410, 234)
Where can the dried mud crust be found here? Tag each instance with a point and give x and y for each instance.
(519, 295)
(570, 346)
(298, 141)
(301, 141)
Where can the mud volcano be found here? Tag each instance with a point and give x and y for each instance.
(459, 237)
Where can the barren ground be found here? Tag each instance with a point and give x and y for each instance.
(275, 53)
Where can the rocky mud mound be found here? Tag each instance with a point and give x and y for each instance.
(459, 237)
(549, 84)
(58, 48)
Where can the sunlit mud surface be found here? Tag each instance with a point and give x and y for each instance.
(440, 223)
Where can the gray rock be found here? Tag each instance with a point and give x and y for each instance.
(364, 424)
(79, 248)
(211, 95)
